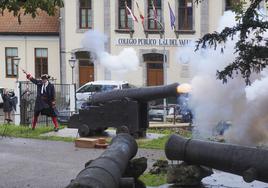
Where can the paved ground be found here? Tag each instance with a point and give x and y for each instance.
(28, 163)
(73, 133)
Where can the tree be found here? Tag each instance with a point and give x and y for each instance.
(30, 6)
(251, 47)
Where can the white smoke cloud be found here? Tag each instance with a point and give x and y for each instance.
(127, 60)
(212, 101)
(94, 41)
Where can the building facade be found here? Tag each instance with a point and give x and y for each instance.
(34, 41)
(154, 41)
(46, 44)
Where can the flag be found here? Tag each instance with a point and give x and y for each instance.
(129, 12)
(154, 9)
(141, 16)
(172, 17)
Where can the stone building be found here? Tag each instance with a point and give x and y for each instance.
(46, 44)
(152, 41)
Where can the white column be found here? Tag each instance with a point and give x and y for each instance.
(72, 98)
(17, 113)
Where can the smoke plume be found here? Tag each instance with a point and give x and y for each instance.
(212, 101)
(127, 60)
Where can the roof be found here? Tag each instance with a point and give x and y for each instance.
(42, 24)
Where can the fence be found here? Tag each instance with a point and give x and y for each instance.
(65, 102)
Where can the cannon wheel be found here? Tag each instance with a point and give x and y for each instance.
(84, 131)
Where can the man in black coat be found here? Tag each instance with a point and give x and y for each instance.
(45, 100)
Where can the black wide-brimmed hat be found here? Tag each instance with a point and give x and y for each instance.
(45, 76)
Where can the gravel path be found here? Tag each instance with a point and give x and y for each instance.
(41, 164)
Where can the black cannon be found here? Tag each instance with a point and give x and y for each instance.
(107, 170)
(249, 162)
(127, 107)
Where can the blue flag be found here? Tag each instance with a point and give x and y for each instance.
(172, 17)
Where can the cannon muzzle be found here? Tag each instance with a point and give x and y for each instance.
(249, 162)
(107, 170)
(140, 94)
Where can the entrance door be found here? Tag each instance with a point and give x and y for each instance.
(155, 74)
(86, 67)
(154, 66)
(86, 72)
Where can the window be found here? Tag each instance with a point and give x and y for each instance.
(41, 63)
(97, 88)
(154, 11)
(11, 69)
(230, 4)
(185, 14)
(124, 21)
(85, 14)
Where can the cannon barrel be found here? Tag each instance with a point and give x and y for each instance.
(106, 171)
(140, 94)
(249, 162)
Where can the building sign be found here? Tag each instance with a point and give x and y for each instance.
(152, 42)
(185, 71)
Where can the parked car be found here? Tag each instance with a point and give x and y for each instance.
(156, 113)
(85, 91)
(1, 100)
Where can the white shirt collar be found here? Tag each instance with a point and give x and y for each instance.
(44, 87)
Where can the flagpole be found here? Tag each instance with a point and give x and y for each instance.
(126, 12)
(164, 58)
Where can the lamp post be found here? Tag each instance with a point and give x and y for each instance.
(72, 62)
(16, 61)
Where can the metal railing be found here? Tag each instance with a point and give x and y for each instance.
(65, 96)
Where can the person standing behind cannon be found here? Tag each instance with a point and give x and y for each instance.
(45, 102)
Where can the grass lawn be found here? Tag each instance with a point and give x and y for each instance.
(159, 143)
(153, 179)
(27, 132)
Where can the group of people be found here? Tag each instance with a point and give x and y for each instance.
(45, 102)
